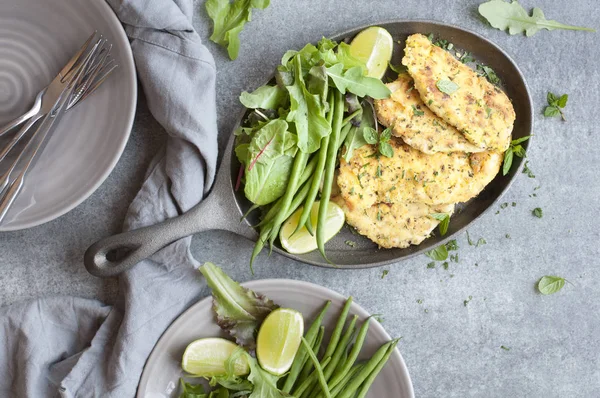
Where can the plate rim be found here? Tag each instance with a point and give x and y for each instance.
(129, 62)
(256, 285)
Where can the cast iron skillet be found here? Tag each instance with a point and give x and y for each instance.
(224, 207)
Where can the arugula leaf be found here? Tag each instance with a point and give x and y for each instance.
(439, 253)
(444, 219)
(239, 311)
(356, 82)
(555, 105)
(229, 20)
(512, 16)
(550, 284)
(446, 86)
(347, 59)
(306, 112)
(264, 97)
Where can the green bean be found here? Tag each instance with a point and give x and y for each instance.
(369, 380)
(351, 116)
(267, 229)
(302, 356)
(309, 381)
(337, 332)
(343, 134)
(360, 339)
(338, 114)
(338, 353)
(318, 368)
(347, 377)
(371, 364)
(308, 366)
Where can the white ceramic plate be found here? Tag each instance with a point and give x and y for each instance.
(37, 37)
(162, 371)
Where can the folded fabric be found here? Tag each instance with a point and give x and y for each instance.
(82, 348)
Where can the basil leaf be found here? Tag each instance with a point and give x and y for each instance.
(519, 151)
(265, 97)
(444, 219)
(446, 86)
(385, 135)
(440, 253)
(562, 101)
(356, 82)
(512, 16)
(386, 149)
(508, 158)
(551, 111)
(550, 284)
(229, 20)
(370, 135)
(417, 111)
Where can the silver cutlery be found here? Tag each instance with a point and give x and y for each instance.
(80, 77)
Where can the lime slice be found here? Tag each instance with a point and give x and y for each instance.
(279, 339)
(374, 47)
(302, 241)
(206, 357)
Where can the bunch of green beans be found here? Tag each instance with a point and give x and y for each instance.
(308, 171)
(338, 374)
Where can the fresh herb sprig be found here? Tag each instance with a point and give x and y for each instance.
(382, 140)
(515, 149)
(444, 219)
(514, 18)
(556, 104)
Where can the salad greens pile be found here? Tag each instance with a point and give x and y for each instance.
(289, 143)
(337, 372)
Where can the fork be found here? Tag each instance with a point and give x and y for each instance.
(81, 75)
(48, 96)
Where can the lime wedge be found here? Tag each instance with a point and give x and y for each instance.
(374, 47)
(302, 241)
(206, 357)
(278, 340)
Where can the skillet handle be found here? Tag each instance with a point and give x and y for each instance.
(118, 253)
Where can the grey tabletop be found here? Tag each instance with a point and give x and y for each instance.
(454, 321)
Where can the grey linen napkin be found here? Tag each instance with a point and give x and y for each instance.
(75, 347)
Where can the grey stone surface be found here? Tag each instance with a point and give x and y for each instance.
(451, 349)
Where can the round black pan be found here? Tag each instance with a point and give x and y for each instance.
(224, 206)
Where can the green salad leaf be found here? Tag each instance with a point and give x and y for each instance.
(550, 284)
(306, 111)
(265, 97)
(356, 82)
(239, 311)
(229, 20)
(268, 160)
(265, 384)
(512, 16)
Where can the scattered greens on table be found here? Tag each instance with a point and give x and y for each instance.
(550, 284)
(512, 16)
(556, 104)
(292, 136)
(229, 20)
(338, 373)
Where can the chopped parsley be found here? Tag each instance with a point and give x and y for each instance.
(466, 302)
(527, 170)
(505, 348)
(417, 112)
(537, 212)
(489, 74)
(431, 265)
(350, 243)
(385, 272)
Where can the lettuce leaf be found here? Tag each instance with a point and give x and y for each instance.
(239, 311)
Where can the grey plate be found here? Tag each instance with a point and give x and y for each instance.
(223, 208)
(163, 368)
(37, 38)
